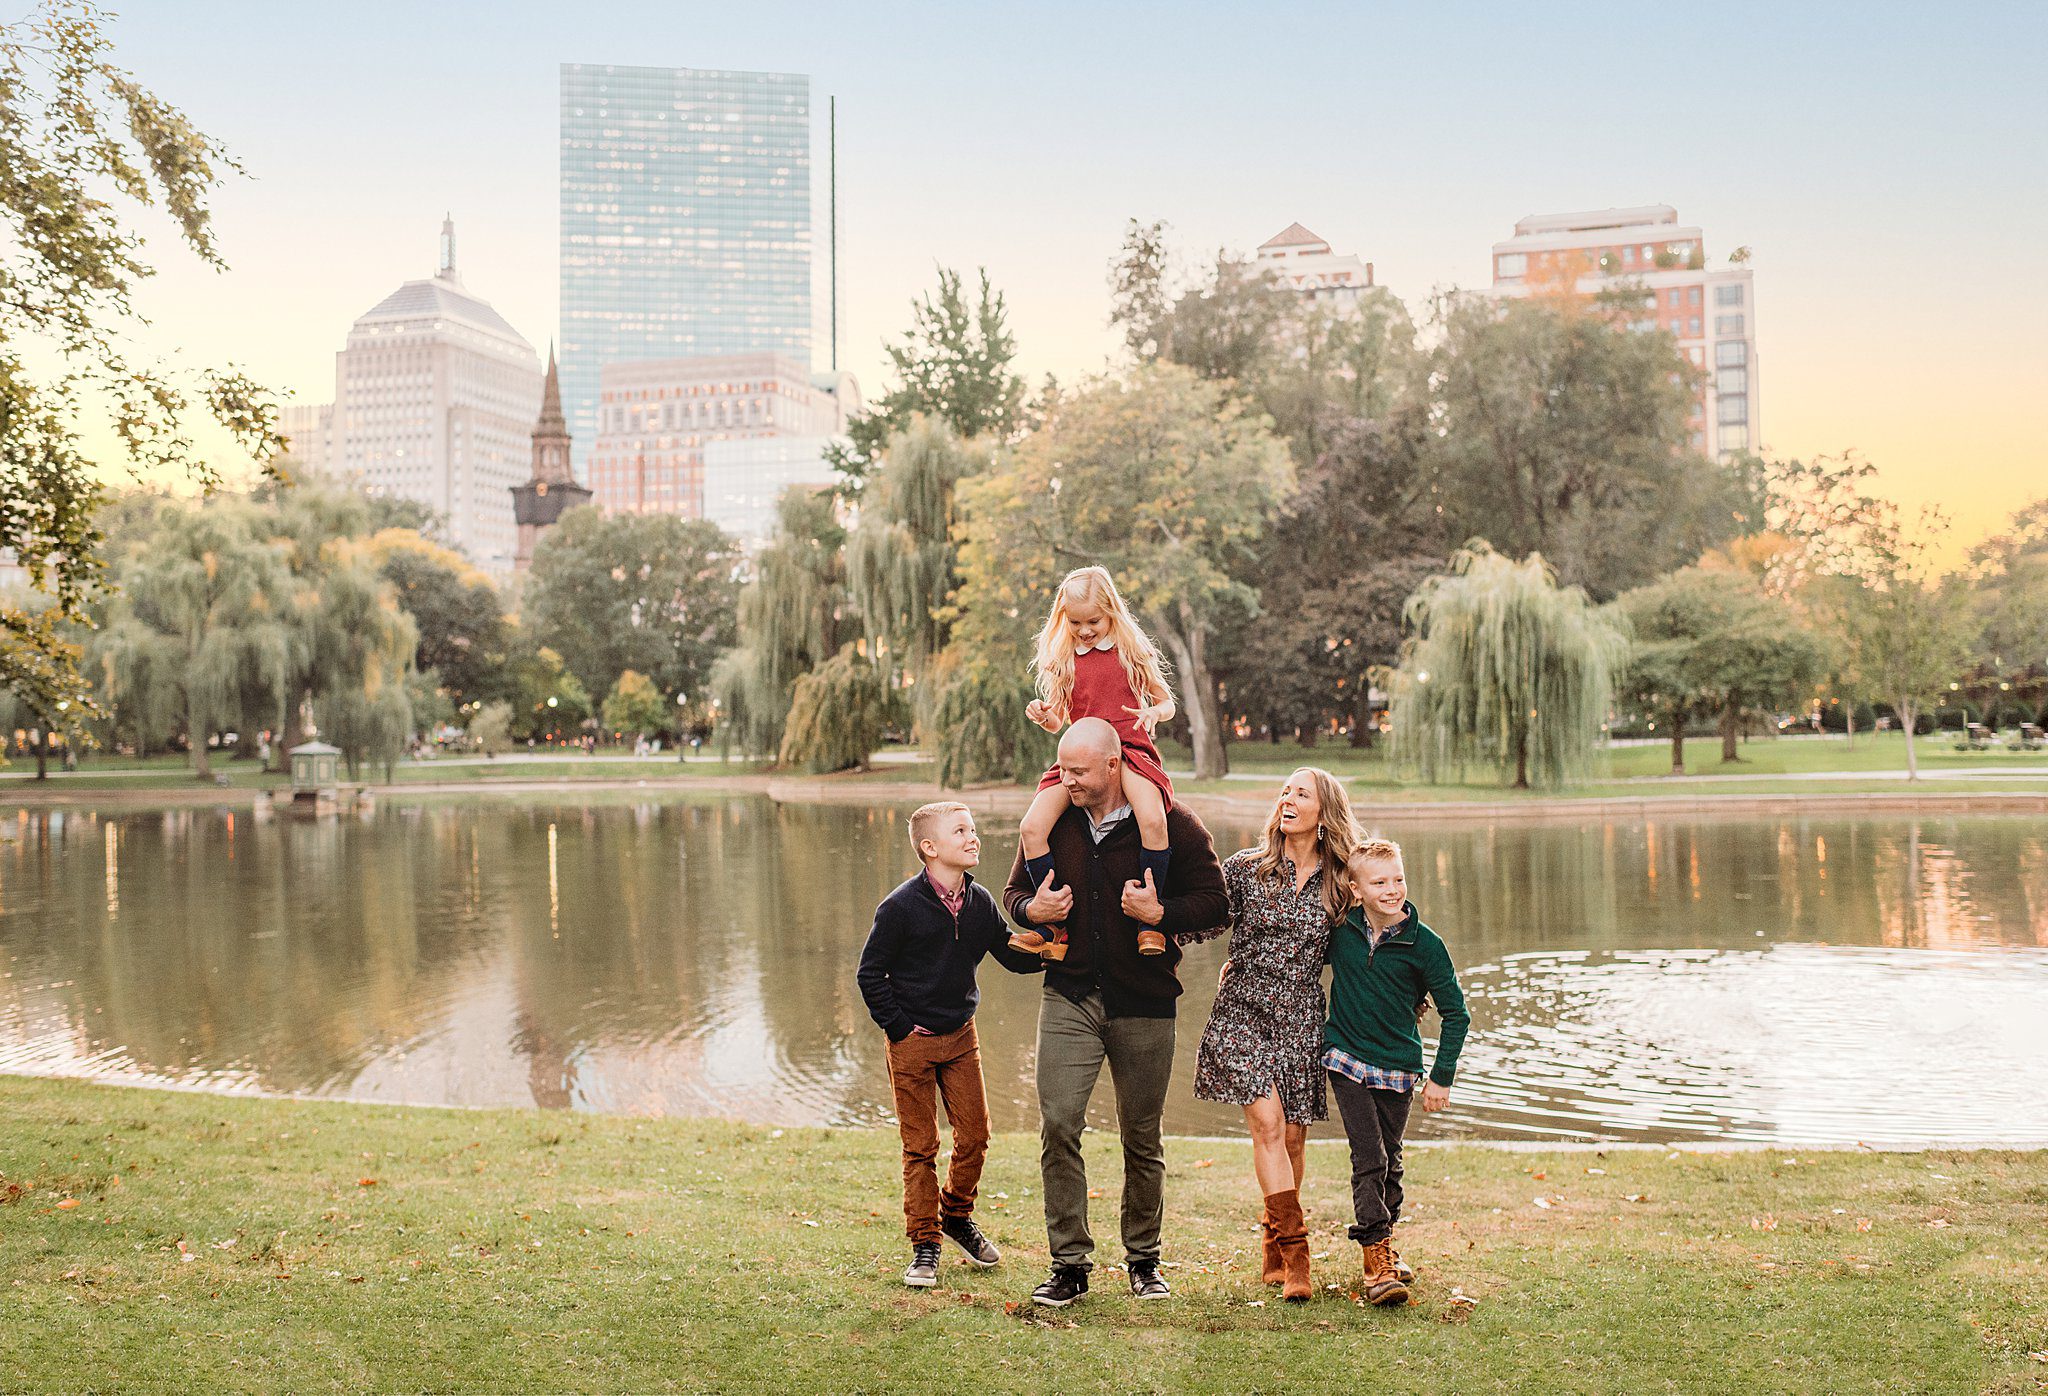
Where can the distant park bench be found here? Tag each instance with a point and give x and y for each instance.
(1976, 737)
(2031, 738)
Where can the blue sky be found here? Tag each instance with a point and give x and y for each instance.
(1887, 162)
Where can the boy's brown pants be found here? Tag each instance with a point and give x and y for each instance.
(924, 1071)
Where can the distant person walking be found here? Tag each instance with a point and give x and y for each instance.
(1263, 1047)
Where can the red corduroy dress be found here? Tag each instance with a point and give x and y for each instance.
(1101, 690)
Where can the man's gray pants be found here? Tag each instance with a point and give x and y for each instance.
(1074, 1040)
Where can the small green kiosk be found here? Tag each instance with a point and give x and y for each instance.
(316, 771)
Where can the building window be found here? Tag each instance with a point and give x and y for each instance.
(1735, 438)
(1728, 295)
(1728, 325)
(1693, 327)
(1692, 295)
(1732, 408)
(1732, 380)
(1628, 256)
(1511, 266)
(1733, 355)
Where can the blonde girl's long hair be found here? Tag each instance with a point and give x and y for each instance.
(1053, 664)
(1336, 835)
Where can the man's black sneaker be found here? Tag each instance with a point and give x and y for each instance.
(1061, 1288)
(962, 1232)
(1147, 1282)
(924, 1265)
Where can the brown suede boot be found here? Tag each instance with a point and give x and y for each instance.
(1275, 1269)
(1028, 941)
(1290, 1235)
(1151, 942)
(1382, 1285)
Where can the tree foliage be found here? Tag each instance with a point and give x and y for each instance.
(1713, 642)
(464, 638)
(900, 562)
(1504, 667)
(84, 147)
(793, 615)
(953, 365)
(838, 715)
(649, 592)
(635, 705)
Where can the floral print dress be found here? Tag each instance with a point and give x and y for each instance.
(1266, 1030)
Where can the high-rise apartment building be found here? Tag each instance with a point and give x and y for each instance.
(1304, 264)
(655, 418)
(685, 221)
(434, 399)
(1710, 312)
(308, 430)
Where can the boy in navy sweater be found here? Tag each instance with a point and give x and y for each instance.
(917, 976)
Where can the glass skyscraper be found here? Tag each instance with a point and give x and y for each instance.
(686, 220)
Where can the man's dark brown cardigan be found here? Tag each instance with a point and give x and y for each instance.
(1102, 942)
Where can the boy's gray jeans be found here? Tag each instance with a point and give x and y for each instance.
(1074, 1040)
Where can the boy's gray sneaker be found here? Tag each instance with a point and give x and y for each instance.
(924, 1265)
(962, 1232)
(1147, 1282)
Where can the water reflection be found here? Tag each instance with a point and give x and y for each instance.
(1804, 979)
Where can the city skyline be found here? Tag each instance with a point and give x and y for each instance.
(1908, 170)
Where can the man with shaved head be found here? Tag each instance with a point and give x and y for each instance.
(1105, 1002)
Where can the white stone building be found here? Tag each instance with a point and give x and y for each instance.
(1304, 263)
(435, 398)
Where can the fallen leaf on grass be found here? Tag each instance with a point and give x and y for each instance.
(366, 1182)
(1635, 1197)
(2037, 1357)
(1542, 1202)
(1205, 1163)
(1863, 1223)
(67, 1204)
(1095, 1192)
(1255, 1303)
(809, 1222)
(185, 1252)
(225, 1245)
(1766, 1222)
(1597, 1172)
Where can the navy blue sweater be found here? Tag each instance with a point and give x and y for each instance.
(917, 969)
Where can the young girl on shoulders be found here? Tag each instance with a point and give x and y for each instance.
(1094, 661)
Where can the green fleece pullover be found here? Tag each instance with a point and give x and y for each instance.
(1374, 995)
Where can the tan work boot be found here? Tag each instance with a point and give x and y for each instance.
(1030, 942)
(1290, 1234)
(1403, 1271)
(1275, 1270)
(1151, 942)
(1382, 1285)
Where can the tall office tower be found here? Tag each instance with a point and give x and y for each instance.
(1304, 264)
(1712, 314)
(655, 420)
(686, 221)
(434, 399)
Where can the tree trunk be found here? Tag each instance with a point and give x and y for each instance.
(195, 738)
(1678, 747)
(1907, 718)
(1728, 731)
(1189, 641)
(1521, 761)
(1361, 717)
(1849, 723)
(1309, 734)
(42, 753)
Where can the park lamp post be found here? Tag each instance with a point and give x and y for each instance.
(682, 745)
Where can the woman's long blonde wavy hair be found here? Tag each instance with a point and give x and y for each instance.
(1336, 835)
(1053, 664)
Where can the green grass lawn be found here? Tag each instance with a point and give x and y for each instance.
(177, 1242)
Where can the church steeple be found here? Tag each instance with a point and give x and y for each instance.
(552, 490)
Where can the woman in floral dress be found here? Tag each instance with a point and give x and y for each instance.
(1263, 1047)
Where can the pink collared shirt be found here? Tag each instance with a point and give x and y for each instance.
(955, 900)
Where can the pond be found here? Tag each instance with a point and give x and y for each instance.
(1801, 980)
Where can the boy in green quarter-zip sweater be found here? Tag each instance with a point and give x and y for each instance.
(1384, 962)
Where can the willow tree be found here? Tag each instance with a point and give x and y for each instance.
(202, 620)
(900, 563)
(838, 715)
(793, 615)
(1503, 666)
(359, 646)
